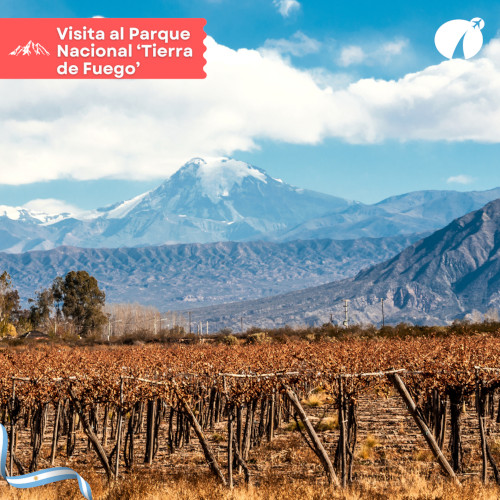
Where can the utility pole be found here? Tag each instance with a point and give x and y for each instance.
(346, 311)
(241, 322)
(383, 316)
(189, 313)
(207, 327)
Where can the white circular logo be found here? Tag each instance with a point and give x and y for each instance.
(448, 37)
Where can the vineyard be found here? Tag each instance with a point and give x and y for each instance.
(139, 406)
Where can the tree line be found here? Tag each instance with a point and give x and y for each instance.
(71, 304)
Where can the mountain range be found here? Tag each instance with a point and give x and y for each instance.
(223, 199)
(223, 234)
(177, 277)
(446, 276)
(414, 212)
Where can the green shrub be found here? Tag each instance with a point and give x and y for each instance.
(229, 340)
(257, 338)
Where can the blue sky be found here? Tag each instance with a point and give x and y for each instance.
(325, 62)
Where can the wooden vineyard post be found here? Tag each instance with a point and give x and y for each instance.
(70, 441)
(480, 416)
(105, 426)
(412, 408)
(55, 433)
(170, 430)
(352, 426)
(272, 411)
(318, 447)
(151, 430)
(239, 432)
(209, 456)
(241, 462)
(247, 437)
(230, 446)
(442, 432)
(119, 431)
(457, 408)
(101, 453)
(342, 437)
(485, 449)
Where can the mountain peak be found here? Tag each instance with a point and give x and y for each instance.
(218, 176)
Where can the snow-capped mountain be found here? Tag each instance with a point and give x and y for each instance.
(29, 49)
(25, 214)
(227, 192)
(223, 199)
(219, 199)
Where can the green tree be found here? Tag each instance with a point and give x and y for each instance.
(41, 308)
(78, 297)
(9, 305)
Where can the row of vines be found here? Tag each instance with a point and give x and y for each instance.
(116, 394)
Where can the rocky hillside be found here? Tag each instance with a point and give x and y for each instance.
(445, 276)
(186, 276)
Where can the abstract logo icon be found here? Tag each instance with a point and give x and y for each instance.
(448, 37)
(29, 49)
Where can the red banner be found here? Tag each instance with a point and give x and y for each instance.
(102, 48)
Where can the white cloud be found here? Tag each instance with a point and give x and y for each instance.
(373, 54)
(286, 7)
(51, 206)
(352, 54)
(91, 129)
(336, 80)
(299, 44)
(460, 179)
(394, 48)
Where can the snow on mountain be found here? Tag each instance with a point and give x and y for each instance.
(11, 213)
(26, 214)
(217, 176)
(42, 211)
(224, 190)
(218, 199)
(118, 210)
(223, 199)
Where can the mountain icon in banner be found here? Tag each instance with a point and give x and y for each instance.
(30, 49)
